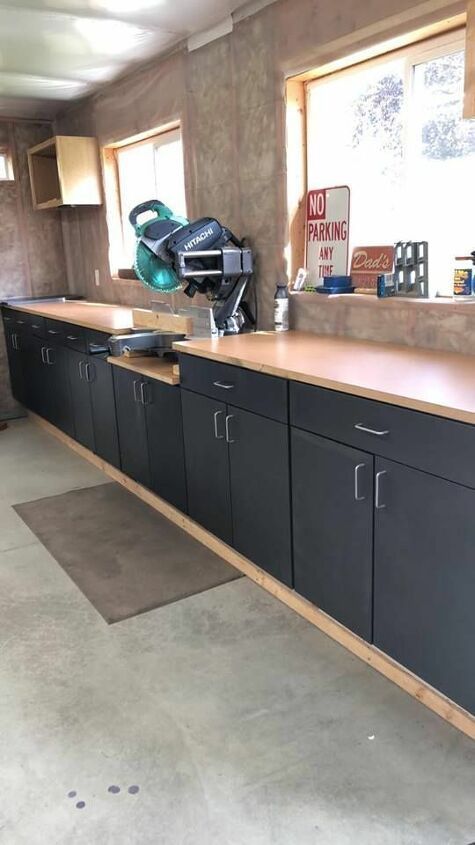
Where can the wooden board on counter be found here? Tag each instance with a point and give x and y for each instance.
(112, 319)
(149, 367)
(414, 686)
(440, 383)
(158, 321)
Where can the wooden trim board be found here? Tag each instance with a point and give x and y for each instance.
(164, 322)
(414, 686)
(149, 367)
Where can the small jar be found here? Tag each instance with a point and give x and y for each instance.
(464, 277)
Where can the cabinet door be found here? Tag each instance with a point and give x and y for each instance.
(131, 424)
(165, 442)
(39, 378)
(207, 463)
(260, 491)
(14, 342)
(424, 577)
(60, 403)
(332, 504)
(80, 398)
(101, 385)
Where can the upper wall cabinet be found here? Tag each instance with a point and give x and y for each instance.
(65, 170)
(469, 102)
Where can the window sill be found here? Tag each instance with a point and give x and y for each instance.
(362, 300)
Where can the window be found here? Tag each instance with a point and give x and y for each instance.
(150, 169)
(6, 170)
(392, 130)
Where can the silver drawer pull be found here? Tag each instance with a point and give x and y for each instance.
(52, 331)
(34, 326)
(358, 498)
(70, 337)
(378, 504)
(216, 416)
(224, 385)
(361, 427)
(228, 438)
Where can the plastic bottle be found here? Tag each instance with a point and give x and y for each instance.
(281, 308)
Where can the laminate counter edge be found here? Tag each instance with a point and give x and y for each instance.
(433, 382)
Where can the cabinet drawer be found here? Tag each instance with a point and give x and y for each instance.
(55, 330)
(74, 337)
(36, 325)
(97, 340)
(433, 444)
(265, 395)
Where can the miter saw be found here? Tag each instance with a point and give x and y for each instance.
(202, 255)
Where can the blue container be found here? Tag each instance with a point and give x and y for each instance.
(337, 281)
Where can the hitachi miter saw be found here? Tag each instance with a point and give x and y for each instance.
(202, 255)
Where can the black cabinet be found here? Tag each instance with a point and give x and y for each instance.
(151, 435)
(81, 398)
(237, 469)
(57, 375)
(49, 392)
(15, 343)
(207, 463)
(332, 495)
(260, 491)
(101, 386)
(131, 425)
(424, 577)
(163, 419)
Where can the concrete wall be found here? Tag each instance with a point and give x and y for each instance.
(229, 96)
(31, 244)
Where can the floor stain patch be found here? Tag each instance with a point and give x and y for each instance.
(132, 790)
(114, 789)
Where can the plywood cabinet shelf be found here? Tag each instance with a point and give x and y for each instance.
(64, 170)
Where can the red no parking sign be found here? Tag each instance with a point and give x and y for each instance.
(328, 218)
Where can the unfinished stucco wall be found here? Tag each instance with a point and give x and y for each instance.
(31, 245)
(229, 96)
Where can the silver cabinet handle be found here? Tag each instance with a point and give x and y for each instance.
(48, 360)
(80, 365)
(34, 326)
(69, 336)
(143, 393)
(20, 322)
(136, 396)
(226, 425)
(13, 337)
(53, 331)
(216, 416)
(361, 427)
(90, 368)
(224, 385)
(377, 502)
(43, 354)
(358, 498)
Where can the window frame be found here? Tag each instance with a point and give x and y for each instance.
(114, 207)
(415, 53)
(6, 153)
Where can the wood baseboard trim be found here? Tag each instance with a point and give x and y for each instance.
(414, 686)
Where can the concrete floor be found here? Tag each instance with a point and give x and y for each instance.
(240, 722)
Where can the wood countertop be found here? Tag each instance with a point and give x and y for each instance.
(441, 383)
(150, 367)
(92, 315)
